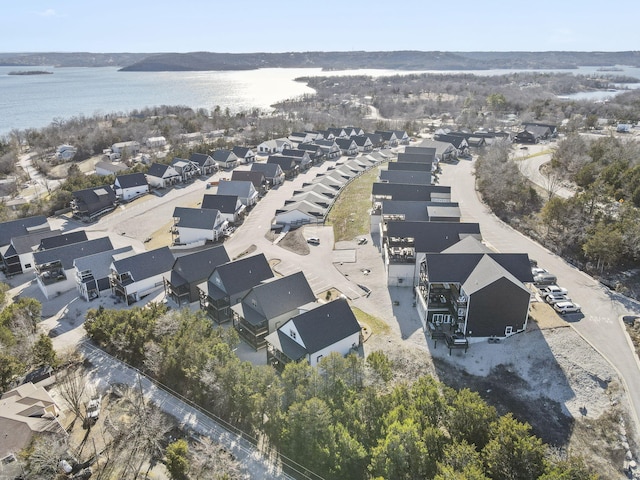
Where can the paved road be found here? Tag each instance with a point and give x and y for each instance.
(108, 370)
(530, 168)
(600, 322)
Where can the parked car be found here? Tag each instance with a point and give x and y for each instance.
(552, 298)
(545, 279)
(537, 270)
(566, 307)
(553, 289)
(313, 240)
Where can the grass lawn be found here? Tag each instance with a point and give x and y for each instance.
(349, 215)
(376, 325)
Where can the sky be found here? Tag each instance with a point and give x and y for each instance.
(240, 26)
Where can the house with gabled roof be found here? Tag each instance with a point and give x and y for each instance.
(410, 166)
(270, 147)
(206, 163)
(130, 186)
(55, 270)
(162, 176)
(91, 203)
(405, 176)
(225, 158)
(299, 213)
(445, 151)
(27, 411)
(257, 178)
(92, 272)
(136, 276)
(185, 168)
(190, 270)
(301, 137)
(412, 211)
(197, 225)
(466, 292)
(287, 164)
(347, 146)
(130, 148)
(317, 188)
(405, 244)
(388, 137)
(229, 283)
(397, 191)
(272, 173)
(230, 207)
(332, 133)
(245, 154)
(352, 131)
(315, 151)
(17, 257)
(244, 190)
(18, 228)
(330, 149)
(109, 168)
(374, 138)
(402, 136)
(458, 141)
(311, 197)
(270, 304)
(313, 335)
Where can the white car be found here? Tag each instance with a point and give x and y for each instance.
(566, 307)
(313, 240)
(553, 298)
(553, 289)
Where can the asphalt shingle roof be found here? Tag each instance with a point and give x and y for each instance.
(222, 203)
(201, 218)
(432, 236)
(66, 254)
(197, 266)
(131, 180)
(242, 274)
(21, 226)
(146, 264)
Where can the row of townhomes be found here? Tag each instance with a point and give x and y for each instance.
(464, 291)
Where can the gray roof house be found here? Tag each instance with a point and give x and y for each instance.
(288, 164)
(268, 305)
(130, 186)
(313, 335)
(397, 191)
(21, 226)
(162, 176)
(198, 225)
(206, 163)
(229, 206)
(185, 168)
(347, 145)
(272, 172)
(465, 293)
(136, 276)
(92, 272)
(405, 176)
(17, 257)
(410, 167)
(225, 158)
(55, 271)
(445, 151)
(189, 271)
(229, 283)
(91, 203)
(244, 190)
(254, 176)
(244, 154)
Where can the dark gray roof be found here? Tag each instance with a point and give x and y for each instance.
(131, 180)
(276, 297)
(157, 170)
(28, 243)
(423, 150)
(456, 267)
(241, 152)
(99, 264)
(409, 166)
(412, 211)
(294, 152)
(310, 147)
(222, 203)
(406, 177)
(196, 267)
(243, 189)
(93, 199)
(270, 170)
(455, 140)
(200, 158)
(63, 239)
(432, 236)
(253, 176)
(21, 226)
(405, 191)
(68, 253)
(224, 155)
(285, 344)
(286, 163)
(243, 274)
(345, 143)
(146, 264)
(201, 218)
(325, 325)
(415, 158)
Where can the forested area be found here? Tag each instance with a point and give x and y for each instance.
(347, 418)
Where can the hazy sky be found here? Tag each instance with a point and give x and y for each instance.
(326, 25)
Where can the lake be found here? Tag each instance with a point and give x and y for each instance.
(34, 101)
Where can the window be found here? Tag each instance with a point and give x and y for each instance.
(292, 333)
(27, 265)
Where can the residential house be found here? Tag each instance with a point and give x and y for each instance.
(311, 197)
(402, 136)
(123, 149)
(131, 186)
(244, 154)
(433, 151)
(206, 163)
(55, 271)
(287, 164)
(257, 178)
(109, 168)
(405, 176)
(332, 133)
(198, 225)
(27, 411)
(319, 188)
(225, 158)
(92, 272)
(348, 146)
(412, 211)
(301, 137)
(270, 304)
(20, 227)
(374, 139)
(59, 239)
(330, 149)
(185, 168)
(410, 166)
(230, 207)
(315, 151)
(398, 191)
(313, 335)
(300, 157)
(270, 147)
(189, 271)
(272, 172)
(388, 137)
(466, 292)
(352, 131)
(65, 152)
(545, 130)
(244, 190)
(162, 176)
(300, 213)
(405, 244)
(136, 276)
(17, 257)
(91, 203)
(458, 141)
(229, 283)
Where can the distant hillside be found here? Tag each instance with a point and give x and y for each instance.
(405, 60)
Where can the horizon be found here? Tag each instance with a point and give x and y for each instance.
(72, 26)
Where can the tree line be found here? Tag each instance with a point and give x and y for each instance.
(346, 418)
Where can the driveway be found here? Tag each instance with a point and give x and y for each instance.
(600, 323)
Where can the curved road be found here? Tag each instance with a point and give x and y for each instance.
(600, 323)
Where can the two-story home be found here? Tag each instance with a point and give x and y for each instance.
(270, 304)
(92, 272)
(18, 228)
(257, 178)
(189, 271)
(244, 190)
(310, 336)
(136, 276)
(270, 147)
(287, 164)
(162, 176)
(229, 283)
(206, 163)
(130, 148)
(130, 186)
(17, 257)
(90, 203)
(388, 137)
(185, 168)
(230, 207)
(348, 146)
(410, 177)
(330, 149)
(315, 151)
(245, 154)
(272, 172)
(198, 225)
(225, 158)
